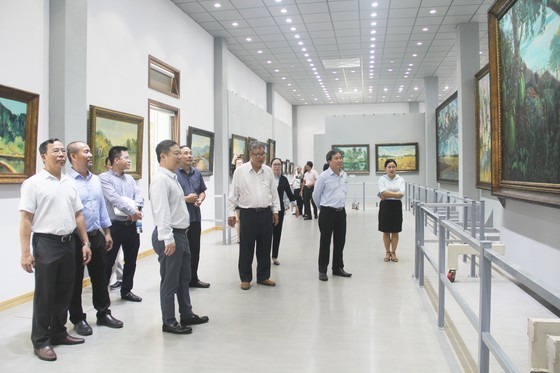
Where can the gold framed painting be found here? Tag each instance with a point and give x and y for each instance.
(201, 143)
(19, 112)
(108, 128)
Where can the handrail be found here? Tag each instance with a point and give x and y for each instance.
(481, 322)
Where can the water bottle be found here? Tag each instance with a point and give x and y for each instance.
(139, 224)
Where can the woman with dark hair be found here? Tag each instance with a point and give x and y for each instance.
(283, 187)
(391, 191)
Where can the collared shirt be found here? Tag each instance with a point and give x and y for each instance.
(395, 184)
(168, 206)
(52, 202)
(191, 182)
(331, 189)
(91, 196)
(250, 189)
(310, 176)
(114, 188)
(296, 181)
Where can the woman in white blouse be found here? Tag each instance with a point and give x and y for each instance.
(391, 191)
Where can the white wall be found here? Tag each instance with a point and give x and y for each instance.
(245, 82)
(311, 120)
(24, 54)
(282, 109)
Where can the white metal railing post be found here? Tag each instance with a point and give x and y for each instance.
(485, 304)
(364, 196)
(441, 270)
(482, 233)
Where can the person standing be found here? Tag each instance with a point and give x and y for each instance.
(194, 190)
(330, 195)
(96, 219)
(296, 184)
(170, 242)
(50, 208)
(254, 191)
(283, 187)
(122, 193)
(310, 177)
(117, 267)
(391, 191)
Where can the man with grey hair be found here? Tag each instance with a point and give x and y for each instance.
(254, 191)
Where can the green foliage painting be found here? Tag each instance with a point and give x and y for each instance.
(13, 121)
(355, 157)
(483, 130)
(447, 140)
(529, 44)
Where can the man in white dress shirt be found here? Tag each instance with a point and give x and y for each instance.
(254, 191)
(170, 242)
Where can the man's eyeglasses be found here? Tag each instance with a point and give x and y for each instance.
(259, 155)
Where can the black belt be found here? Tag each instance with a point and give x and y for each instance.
(93, 233)
(257, 209)
(180, 230)
(337, 209)
(125, 223)
(55, 237)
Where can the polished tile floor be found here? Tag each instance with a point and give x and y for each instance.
(377, 321)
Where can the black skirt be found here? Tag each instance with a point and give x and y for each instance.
(390, 216)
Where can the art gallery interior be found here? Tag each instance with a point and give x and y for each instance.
(346, 72)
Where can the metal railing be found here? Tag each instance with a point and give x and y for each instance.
(438, 213)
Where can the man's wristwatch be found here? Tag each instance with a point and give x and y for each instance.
(88, 244)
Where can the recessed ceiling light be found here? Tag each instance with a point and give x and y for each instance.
(278, 1)
(410, 64)
(293, 90)
(300, 42)
(385, 89)
(372, 45)
(296, 36)
(314, 69)
(248, 39)
(304, 49)
(372, 39)
(392, 61)
(283, 10)
(259, 51)
(268, 61)
(374, 14)
(334, 72)
(289, 84)
(355, 90)
(311, 64)
(298, 95)
(217, 5)
(276, 70)
(415, 88)
(235, 24)
(352, 71)
(292, 29)
(414, 55)
(288, 20)
(390, 70)
(373, 23)
(433, 11)
(374, 5)
(283, 78)
(373, 32)
(419, 43)
(335, 78)
(425, 29)
(306, 55)
(446, 87)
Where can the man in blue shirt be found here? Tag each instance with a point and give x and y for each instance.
(194, 189)
(96, 219)
(330, 197)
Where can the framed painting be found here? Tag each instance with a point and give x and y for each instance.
(447, 140)
(286, 166)
(201, 143)
(406, 156)
(108, 128)
(355, 157)
(239, 145)
(271, 151)
(19, 113)
(163, 124)
(291, 170)
(483, 129)
(524, 65)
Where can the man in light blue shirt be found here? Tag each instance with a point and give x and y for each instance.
(330, 197)
(96, 219)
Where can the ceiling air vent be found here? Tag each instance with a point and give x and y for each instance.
(340, 63)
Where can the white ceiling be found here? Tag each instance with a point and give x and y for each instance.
(343, 29)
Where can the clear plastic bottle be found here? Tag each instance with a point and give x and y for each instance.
(139, 224)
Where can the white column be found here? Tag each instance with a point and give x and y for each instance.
(221, 127)
(432, 100)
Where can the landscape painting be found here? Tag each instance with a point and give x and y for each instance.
(525, 56)
(406, 156)
(483, 129)
(201, 143)
(238, 146)
(18, 134)
(355, 157)
(447, 140)
(110, 128)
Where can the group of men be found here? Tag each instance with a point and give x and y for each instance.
(79, 219)
(253, 192)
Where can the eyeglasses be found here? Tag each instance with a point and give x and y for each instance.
(259, 155)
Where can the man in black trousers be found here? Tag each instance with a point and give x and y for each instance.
(330, 196)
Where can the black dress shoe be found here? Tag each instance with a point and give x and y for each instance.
(130, 296)
(199, 284)
(176, 328)
(110, 321)
(83, 328)
(194, 320)
(45, 353)
(67, 340)
(341, 272)
(323, 276)
(307, 218)
(116, 285)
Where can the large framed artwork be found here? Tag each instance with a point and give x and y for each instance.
(483, 129)
(108, 128)
(524, 64)
(271, 151)
(163, 124)
(201, 143)
(406, 156)
(355, 157)
(19, 112)
(447, 140)
(239, 145)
